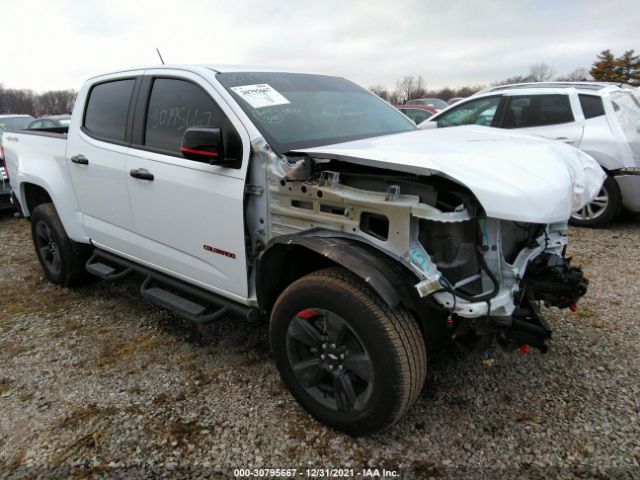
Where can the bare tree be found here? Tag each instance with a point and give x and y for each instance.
(410, 88)
(468, 91)
(21, 101)
(511, 80)
(380, 91)
(578, 75)
(541, 72)
(55, 102)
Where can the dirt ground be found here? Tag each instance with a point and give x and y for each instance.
(94, 382)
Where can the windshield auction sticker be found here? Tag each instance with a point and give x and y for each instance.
(259, 96)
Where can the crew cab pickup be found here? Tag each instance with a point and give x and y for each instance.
(311, 202)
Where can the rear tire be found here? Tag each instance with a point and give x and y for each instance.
(602, 209)
(62, 259)
(349, 360)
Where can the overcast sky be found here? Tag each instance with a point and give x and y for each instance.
(57, 44)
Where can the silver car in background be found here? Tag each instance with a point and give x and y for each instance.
(600, 119)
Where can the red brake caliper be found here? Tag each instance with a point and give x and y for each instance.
(307, 314)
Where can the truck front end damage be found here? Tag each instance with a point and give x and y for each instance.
(489, 274)
(494, 274)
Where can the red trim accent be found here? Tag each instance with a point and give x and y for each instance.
(198, 152)
(307, 314)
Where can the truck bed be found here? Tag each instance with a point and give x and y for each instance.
(32, 146)
(35, 151)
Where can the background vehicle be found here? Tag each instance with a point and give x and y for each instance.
(431, 102)
(310, 200)
(14, 122)
(54, 121)
(8, 122)
(417, 113)
(601, 119)
(455, 100)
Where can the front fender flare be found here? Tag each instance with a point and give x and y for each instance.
(386, 276)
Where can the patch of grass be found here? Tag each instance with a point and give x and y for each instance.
(161, 399)
(117, 350)
(527, 417)
(90, 440)
(99, 471)
(102, 330)
(6, 384)
(14, 348)
(67, 327)
(26, 397)
(85, 413)
(452, 417)
(424, 469)
(17, 459)
(134, 409)
(189, 357)
(584, 312)
(184, 432)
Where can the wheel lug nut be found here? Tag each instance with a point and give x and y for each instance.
(340, 367)
(324, 346)
(342, 356)
(323, 356)
(333, 345)
(330, 367)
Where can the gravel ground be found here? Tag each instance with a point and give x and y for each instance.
(96, 383)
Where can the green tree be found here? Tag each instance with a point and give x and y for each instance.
(628, 67)
(605, 68)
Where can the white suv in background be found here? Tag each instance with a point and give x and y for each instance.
(601, 119)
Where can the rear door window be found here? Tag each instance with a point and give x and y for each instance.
(107, 110)
(591, 105)
(174, 106)
(537, 110)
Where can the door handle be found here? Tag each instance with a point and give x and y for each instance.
(80, 159)
(142, 174)
(563, 139)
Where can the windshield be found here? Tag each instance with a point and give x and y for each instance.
(14, 123)
(294, 110)
(626, 105)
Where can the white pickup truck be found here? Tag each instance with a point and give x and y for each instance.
(310, 201)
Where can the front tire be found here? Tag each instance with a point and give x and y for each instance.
(349, 360)
(62, 259)
(602, 209)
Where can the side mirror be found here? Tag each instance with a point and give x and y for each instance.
(428, 125)
(206, 145)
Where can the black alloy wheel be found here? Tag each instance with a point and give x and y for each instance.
(329, 360)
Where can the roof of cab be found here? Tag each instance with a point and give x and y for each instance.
(201, 67)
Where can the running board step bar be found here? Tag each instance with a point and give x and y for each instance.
(102, 268)
(189, 301)
(196, 312)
